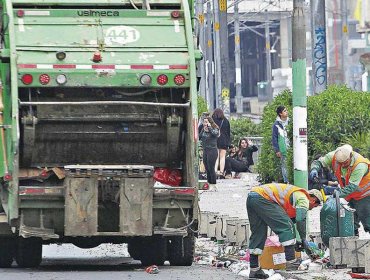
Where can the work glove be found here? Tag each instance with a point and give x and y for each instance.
(308, 250)
(314, 176)
(305, 244)
(299, 246)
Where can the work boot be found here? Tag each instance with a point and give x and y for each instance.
(292, 265)
(257, 273)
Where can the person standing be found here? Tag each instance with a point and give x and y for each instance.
(276, 205)
(280, 140)
(352, 171)
(224, 141)
(208, 135)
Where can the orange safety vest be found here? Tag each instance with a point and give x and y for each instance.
(280, 194)
(364, 185)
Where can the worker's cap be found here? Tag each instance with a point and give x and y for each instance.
(317, 194)
(343, 153)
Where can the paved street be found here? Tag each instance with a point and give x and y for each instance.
(66, 262)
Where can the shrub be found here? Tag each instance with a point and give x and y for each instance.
(243, 127)
(360, 141)
(202, 106)
(338, 115)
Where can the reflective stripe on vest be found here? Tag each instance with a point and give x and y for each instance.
(363, 189)
(280, 194)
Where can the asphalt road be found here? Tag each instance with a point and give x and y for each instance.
(67, 262)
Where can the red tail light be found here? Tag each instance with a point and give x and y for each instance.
(27, 79)
(175, 14)
(44, 79)
(162, 79)
(7, 177)
(20, 13)
(97, 56)
(179, 79)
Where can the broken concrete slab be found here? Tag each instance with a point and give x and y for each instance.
(348, 251)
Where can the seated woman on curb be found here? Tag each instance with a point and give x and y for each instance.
(243, 158)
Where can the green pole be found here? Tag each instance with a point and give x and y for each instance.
(299, 95)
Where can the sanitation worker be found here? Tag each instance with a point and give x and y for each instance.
(278, 206)
(352, 172)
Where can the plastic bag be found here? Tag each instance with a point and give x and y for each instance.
(168, 176)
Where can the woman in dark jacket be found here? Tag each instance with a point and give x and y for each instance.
(242, 159)
(208, 135)
(223, 142)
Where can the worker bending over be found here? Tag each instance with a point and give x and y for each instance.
(352, 172)
(278, 206)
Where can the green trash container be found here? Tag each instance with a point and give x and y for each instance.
(336, 220)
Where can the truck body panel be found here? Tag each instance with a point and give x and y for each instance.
(96, 98)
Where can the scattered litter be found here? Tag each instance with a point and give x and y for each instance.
(153, 269)
(276, 276)
(359, 275)
(237, 267)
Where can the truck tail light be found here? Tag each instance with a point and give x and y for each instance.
(20, 13)
(162, 79)
(44, 79)
(97, 57)
(61, 79)
(8, 177)
(179, 79)
(27, 79)
(61, 55)
(145, 80)
(175, 14)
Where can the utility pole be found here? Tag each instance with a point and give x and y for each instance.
(217, 53)
(209, 59)
(319, 54)
(344, 48)
(224, 57)
(238, 74)
(299, 95)
(268, 58)
(201, 41)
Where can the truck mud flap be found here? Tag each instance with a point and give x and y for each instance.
(134, 201)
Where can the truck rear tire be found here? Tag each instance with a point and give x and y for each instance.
(7, 248)
(181, 250)
(153, 251)
(29, 252)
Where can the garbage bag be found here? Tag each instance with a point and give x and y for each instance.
(330, 227)
(168, 176)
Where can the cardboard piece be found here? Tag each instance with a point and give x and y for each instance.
(273, 257)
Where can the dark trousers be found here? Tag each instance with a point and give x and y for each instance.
(231, 164)
(362, 213)
(209, 160)
(263, 213)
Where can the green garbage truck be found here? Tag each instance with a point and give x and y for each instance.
(98, 128)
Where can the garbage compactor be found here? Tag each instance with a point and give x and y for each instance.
(336, 219)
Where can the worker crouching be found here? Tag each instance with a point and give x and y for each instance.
(278, 206)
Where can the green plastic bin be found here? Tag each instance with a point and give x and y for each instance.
(336, 220)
